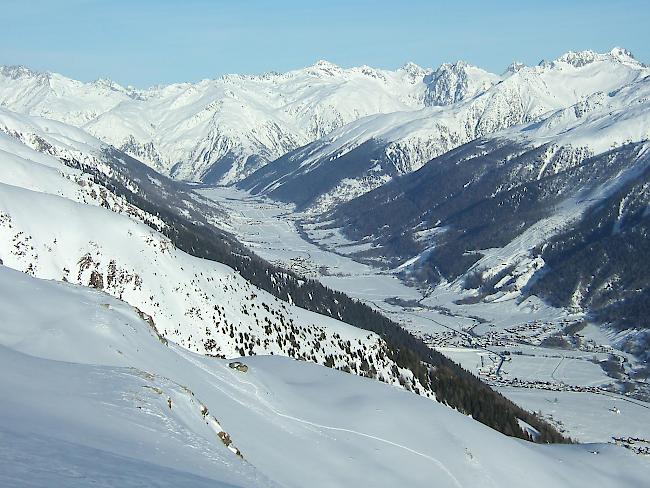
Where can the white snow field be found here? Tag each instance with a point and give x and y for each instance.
(113, 342)
(92, 397)
(589, 417)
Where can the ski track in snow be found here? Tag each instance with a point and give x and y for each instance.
(276, 412)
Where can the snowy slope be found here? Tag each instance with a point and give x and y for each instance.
(54, 96)
(367, 153)
(224, 129)
(57, 223)
(600, 122)
(554, 168)
(95, 397)
(221, 130)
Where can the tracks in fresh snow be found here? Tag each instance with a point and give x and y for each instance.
(276, 412)
(438, 463)
(555, 370)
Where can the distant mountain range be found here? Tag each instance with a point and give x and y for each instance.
(219, 131)
(365, 154)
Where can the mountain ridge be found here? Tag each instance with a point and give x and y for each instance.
(216, 130)
(375, 149)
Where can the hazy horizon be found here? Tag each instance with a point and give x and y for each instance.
(153, 43)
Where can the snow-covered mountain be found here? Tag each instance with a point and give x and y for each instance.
(224, 129)
(124, 300)
(56, 97)
(221, 130)
(365, 154)
(452, 83)
(57, 222)
(552, 149)
(528, 210)
(94, 397)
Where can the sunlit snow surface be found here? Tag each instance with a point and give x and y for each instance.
(237, 121)
(66, 420)
(93, 396)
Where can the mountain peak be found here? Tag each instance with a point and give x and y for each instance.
(325, 66)
(453, 82)
(19, 71)
(414, 72)
(514, 67)
(411, 67)
(323, 63)
(583, 58)
(622, 54)
(129, 91)
(459, 65)
(106, 83)
(578, 58)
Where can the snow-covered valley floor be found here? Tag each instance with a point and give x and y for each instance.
(570, 388)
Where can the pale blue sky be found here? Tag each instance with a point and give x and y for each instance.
(148, 42)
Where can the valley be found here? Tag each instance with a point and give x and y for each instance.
(329, 276)
(501, 342)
